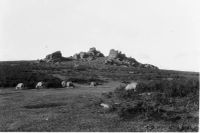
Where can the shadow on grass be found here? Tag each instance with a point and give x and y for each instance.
(43, 105)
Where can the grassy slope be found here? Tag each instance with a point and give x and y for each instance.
(64, 110)
(75, 109)
(53, 110)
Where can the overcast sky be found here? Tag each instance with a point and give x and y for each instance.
(165, 33)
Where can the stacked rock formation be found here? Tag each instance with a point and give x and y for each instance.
(54, 57)
(115, 54)
(115, 57)
(149, 66)
(90, 55)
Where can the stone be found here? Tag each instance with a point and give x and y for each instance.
(76, 56)
(54, 57)
(149, 66)
(115, 54)
(88, 56)
(83, 55)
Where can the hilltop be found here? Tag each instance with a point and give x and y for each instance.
(115, 57)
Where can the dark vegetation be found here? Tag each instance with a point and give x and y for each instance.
(31, 72)
(11, 75)
(159, 100)
(173, 88)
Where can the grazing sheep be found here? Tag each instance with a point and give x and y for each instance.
(40, 85)
(64, 84)
(92, 84)
(105, 106)
(131, 86)
(70, 84)
(19, 86)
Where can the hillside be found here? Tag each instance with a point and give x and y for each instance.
(14, 72)
(165, 100)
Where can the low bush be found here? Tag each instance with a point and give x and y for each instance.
(52, 83)
(145, 105)
(130, 109)
(174, 88)
(152, 99)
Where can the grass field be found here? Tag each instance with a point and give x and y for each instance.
(63, 109)
(78, 109)
(58, 109)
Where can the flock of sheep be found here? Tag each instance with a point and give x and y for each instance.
(41, 85)
(69, 84)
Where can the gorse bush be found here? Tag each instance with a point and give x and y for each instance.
(52, 82)
(172, 88)
(130, 109)
(145, 105)
(151, 99)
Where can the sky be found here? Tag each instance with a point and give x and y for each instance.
(165, 33)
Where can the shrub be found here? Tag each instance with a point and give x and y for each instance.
(151, 98)
(53, 83)
(129, 109)
(147, 106)
(174, 88)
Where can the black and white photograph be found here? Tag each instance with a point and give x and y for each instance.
(99, 65)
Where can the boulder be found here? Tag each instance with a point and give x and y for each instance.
(115, 57)
(94, 53)
(76, 56)
(93, 49)
(54, 57)
(88, 56)
(83, 55)
(114, 54)
(149, 66)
